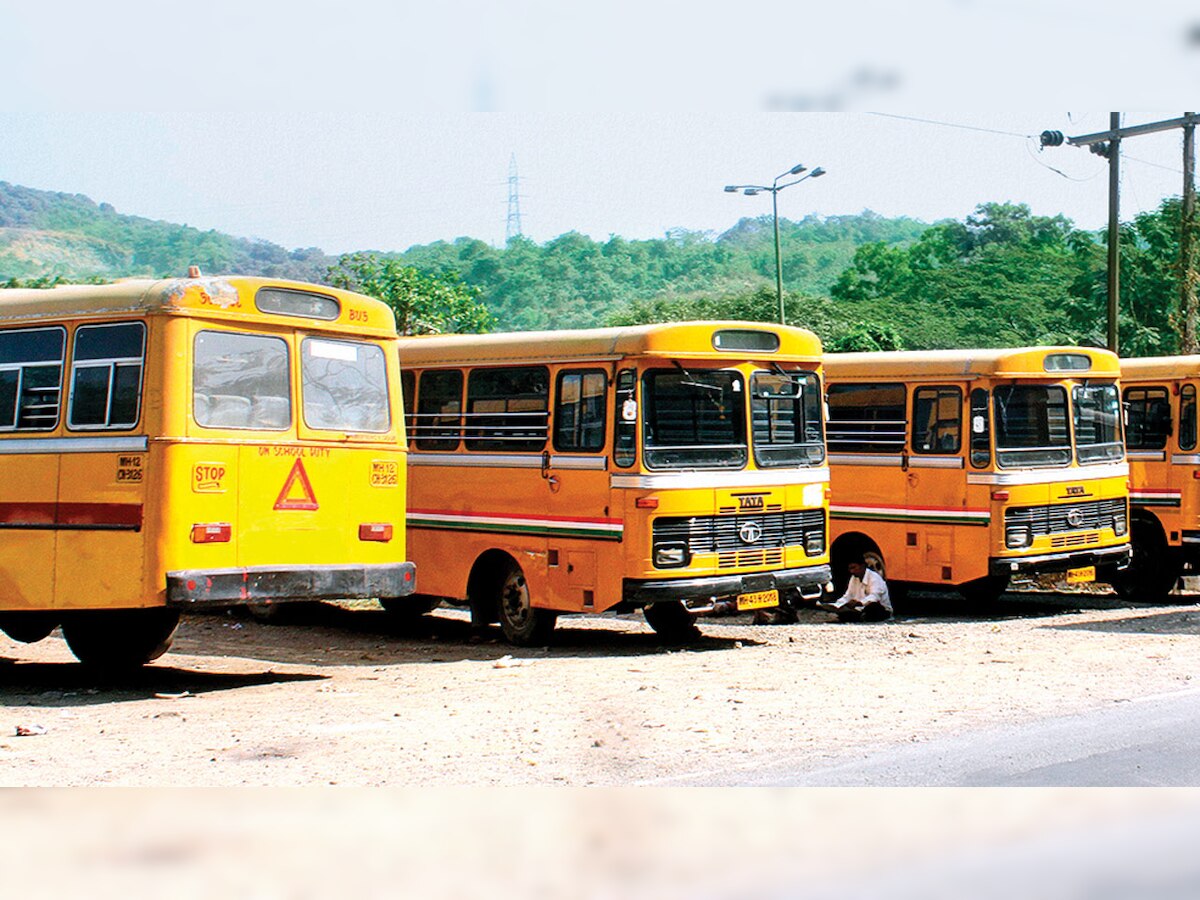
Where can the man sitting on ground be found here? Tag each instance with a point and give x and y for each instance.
(866, 598)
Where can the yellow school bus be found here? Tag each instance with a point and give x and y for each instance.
(166, 445)
(1164, 469)
(679, 469)
(962, 468)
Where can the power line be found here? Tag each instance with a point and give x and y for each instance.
(951, 125)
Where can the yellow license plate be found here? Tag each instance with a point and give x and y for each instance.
(757, 600)
(1086, 575)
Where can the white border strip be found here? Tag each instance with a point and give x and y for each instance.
(137, 444)
(865, 459)
(935, 462)
(976, 515)
(1052, 476)
(508, 461)
(1147, 455)
(776, 479)
(452, 518)
(1185, 459)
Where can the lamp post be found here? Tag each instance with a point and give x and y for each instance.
(750, 190)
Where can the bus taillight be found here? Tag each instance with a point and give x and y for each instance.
(999, 495)
(375, 532)
(216, 533)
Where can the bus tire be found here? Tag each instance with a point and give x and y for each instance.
(410, 608)
(120, 638)
(1154, 569)
(521, 623)
(28, 627)
(671, 622)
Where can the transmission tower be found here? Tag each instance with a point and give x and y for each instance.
(514, 201)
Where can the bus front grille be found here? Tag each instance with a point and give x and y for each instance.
(1093, 515)
(741, 539)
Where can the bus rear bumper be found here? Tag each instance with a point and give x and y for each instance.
(703, 596)
(1105, 559)
(277, 584)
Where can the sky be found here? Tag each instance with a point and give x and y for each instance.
(373, 125)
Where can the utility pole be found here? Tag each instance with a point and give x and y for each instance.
(1187, 256)
(513, 227)
(1108, 144)
(1114, 233)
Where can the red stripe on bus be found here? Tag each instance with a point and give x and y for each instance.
(513, 515)
(72, 515)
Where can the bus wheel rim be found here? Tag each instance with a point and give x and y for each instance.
(514, 597)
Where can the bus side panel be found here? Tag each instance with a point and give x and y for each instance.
(868, 500)
(28, 488)
(100, 547)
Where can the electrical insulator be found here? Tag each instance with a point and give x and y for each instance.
(1101, 149)
(1052, 138)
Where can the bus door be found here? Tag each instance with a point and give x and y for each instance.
(578, 487)
(99, 535)
(936, 484)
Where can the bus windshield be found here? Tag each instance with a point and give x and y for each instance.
(785, 417)
(695, 419)
(1031, 426)
(1097, 423)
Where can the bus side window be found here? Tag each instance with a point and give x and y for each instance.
(438, 423)
(1187, 417)
(241, 381)
(981, 433)
(866, 418)
(1149, 413)
(408, 387)
(625, 413)
(937, 420)
(106, 376)
(508, 409)
(31, 366)
(579, 411)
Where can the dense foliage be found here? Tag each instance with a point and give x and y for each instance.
(1001, 276)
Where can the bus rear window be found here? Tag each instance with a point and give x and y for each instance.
(31, 365)
(344, 386)
(241, 381)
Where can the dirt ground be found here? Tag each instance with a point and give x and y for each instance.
(347, 695)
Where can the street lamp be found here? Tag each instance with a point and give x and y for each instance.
(751, 189)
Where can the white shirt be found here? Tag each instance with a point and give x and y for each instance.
(871, 588)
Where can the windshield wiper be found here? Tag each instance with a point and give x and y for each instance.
(691, 379)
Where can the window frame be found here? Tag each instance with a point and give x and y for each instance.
(981, 445)
(290, 381)
(19, 368)
(896, 447)
(111, 364)
(387, 387)
(474, 442)
(603, 421)
(443, 443)
(1187, 395)
(738, 387)
(938, 390)
(625, 457)
(1127, 405)
(761, 459)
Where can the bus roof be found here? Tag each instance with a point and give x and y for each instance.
(694, 340)
(226, 297)
(1163, 367)
(1020, 362)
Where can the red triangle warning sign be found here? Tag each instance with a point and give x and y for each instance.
(306, 500)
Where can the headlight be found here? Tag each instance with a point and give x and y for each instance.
(671, 555)
(814, 543)
(1018, 536)
(1120, 525)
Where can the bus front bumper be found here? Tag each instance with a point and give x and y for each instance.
(706, 595)
(1108, 559)
(277, 584)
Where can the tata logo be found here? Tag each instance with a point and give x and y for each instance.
(1075, 490)
(1075, 518)
(753, 501)
(750, 532)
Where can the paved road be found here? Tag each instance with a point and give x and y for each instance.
(1153, 741)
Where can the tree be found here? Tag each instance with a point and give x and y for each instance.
(423, 303)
